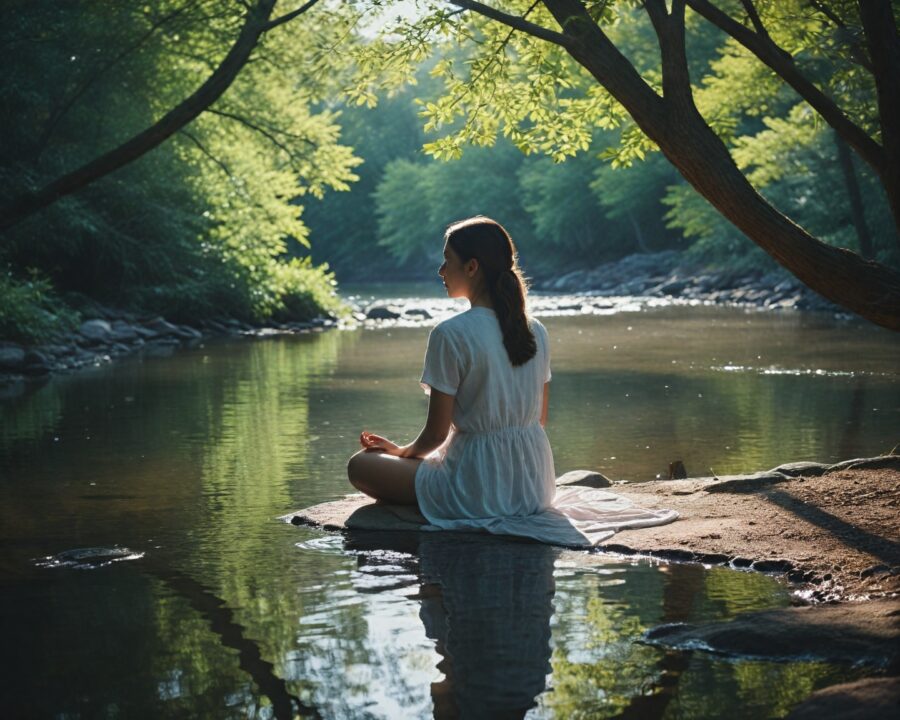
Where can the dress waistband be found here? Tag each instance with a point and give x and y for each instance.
(496, 431)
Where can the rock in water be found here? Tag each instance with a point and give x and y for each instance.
(382, 312)
(12, 356)
(87, 558)
(583, 478)
(860, 633)
(869, 699)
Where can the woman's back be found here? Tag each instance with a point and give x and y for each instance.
(466, 358)
(498, 461)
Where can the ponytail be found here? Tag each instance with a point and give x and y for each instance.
(488, 242)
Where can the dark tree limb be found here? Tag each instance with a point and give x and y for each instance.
(782, 63)
(669, 29)
(287, 17)
(514, 21)
(884, 49)
(867, 288)
(256, 23)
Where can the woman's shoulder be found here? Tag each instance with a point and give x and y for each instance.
(536, 325)
(462, 322)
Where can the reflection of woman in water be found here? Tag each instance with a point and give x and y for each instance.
(487, 604)
(482, 460)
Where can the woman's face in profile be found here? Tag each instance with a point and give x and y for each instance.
(453, 273)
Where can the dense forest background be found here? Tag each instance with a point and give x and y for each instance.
(290, 182)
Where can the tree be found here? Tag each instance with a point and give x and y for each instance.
(257, 22)
(524, 76)
(200, 226)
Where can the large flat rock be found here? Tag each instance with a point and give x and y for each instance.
(859, 633)
(834, 527)
(868, 699)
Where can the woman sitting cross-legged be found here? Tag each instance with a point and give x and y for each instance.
(483, 460)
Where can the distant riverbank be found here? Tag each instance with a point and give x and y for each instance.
(666, 275)
(631, 284)
(109, 334)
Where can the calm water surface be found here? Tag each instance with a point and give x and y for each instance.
(228, 613)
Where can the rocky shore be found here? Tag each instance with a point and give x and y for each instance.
(666, 275)
(108, 334)
(830, 530)
(630, 284)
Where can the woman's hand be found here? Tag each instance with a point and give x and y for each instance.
(375, 443)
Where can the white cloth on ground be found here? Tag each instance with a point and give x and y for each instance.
(495, 470)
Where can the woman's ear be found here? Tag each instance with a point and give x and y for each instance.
(471, 267)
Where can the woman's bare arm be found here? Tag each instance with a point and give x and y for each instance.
(437, 426)
(544, 405)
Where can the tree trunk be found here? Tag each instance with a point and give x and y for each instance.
(857, 211)
(217, 83)
(684, 137)
(884, 46)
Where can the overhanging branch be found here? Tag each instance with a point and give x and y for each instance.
(514, 21)
(287, 17)
(782, 63)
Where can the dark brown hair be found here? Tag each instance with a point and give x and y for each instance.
(488, 242)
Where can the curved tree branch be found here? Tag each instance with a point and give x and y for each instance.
(514, 21)
(689, 143)
(256, 23)
(764, 48)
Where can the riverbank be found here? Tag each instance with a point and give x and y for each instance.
(630, 284)
(831, 530)
(667, 275)
(109, 334)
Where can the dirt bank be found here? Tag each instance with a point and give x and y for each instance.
(838, 532)
(833, 530)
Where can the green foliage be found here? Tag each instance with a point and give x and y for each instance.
(202, 225)
(30, 311)
(495, 84)
(416, 201)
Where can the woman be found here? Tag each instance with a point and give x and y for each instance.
(482, 460)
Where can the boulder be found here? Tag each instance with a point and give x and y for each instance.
(145, 332)
(162, 327)
(868, 699)
(583, 478)
(123, 332)
(96, 331)
(36, 363)
(859, 633)
(418, 312)
(382, 312)
(12, 357)
(188, 333)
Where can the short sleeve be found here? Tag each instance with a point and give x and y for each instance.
(441, 363)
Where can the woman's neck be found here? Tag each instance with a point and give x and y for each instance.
(481, 299)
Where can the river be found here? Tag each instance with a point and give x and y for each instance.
(187, 458)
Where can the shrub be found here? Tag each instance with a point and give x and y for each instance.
(30, 310)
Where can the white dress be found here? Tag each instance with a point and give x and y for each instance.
(495, 470)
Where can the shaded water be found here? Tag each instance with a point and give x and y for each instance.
(187, 459)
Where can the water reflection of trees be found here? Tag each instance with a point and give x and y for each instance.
(726, 422)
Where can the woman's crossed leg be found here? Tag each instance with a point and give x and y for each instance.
(384, 477)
